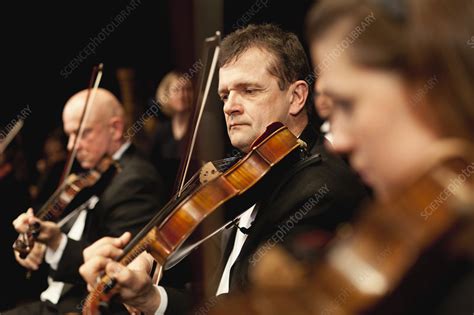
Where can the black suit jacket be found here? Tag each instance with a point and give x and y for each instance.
(129, 201)
(319, 194)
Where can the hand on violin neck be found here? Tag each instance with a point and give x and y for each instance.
(109, 247)
(97, 255)
(49, 234)
(136, 289)
(134, 284)
(23, 221)
(34, 258)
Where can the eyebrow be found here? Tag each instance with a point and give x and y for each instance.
(76, 131)
(332, 94)
(240, 85)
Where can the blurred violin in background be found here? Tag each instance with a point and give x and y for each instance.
(53, 209)
(396, 257)
(72, 184)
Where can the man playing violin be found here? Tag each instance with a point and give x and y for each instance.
(125, 203)
(262, 79)
(402, 109)
(402, 100)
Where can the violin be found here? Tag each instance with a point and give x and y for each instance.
(72, 184)
(54, 207)
(372, 264)
(170, 235)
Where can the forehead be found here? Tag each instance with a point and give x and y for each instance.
(251, 65)
(334, 70)
(72, 116)
(180, 82)
(340, 76)
(327, 52)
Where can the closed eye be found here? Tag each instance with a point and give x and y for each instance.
(224, 97)
(86, 132)
(345, 105)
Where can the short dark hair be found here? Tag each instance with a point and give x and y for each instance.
(289, 64)
(290, 61)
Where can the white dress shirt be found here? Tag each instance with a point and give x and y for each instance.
(326, 130)
(245, 221)
(53, 257)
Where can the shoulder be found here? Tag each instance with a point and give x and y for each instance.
(136, 165)
(135, 173)
(325, 190)
(329, 173)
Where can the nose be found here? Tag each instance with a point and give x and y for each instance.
(342, 142)
(70, 143)
(232, 105)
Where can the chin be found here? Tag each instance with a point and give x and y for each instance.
(385, 191)
(241, 146)
(86, 165)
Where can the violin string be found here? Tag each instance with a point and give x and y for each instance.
(51, 202)
(191, 181)
(138, 247)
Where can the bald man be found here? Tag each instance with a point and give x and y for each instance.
(103, 131)
(125, 203)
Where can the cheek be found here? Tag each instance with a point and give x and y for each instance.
(172, 104)
(369, 134)
(254, 111)
(378, 138)
(99, 144)
(276, 110)
(265, 110)
(94, 147)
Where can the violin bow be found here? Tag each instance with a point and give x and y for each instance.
(9, 137)
(204, 87)
(89, 100)
(94, 82)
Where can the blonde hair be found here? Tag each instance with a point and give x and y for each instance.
(164, 88)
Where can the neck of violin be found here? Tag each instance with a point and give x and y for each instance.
(138, 245)
(55, 205)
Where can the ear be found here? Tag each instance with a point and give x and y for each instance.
(117, 128)
(299, 91)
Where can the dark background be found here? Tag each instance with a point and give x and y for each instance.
(40, 38)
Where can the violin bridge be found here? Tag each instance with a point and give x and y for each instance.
(208, 172)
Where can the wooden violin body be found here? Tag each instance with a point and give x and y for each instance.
(369, 268)
(170, 235)
(56, 204)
